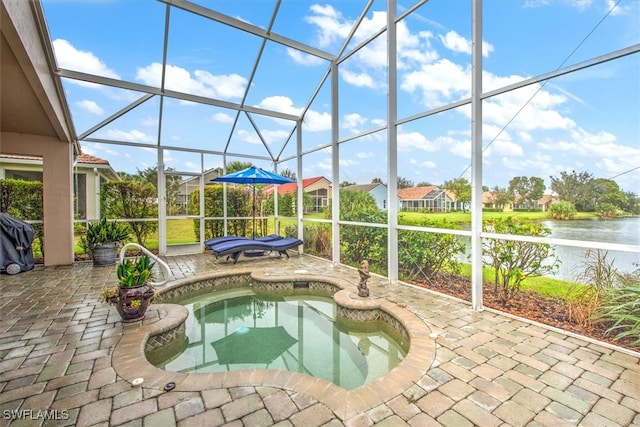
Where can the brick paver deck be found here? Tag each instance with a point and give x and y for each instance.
(57, 347)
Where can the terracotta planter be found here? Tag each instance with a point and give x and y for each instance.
(133, 302)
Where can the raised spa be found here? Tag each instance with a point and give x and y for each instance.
(239, 328)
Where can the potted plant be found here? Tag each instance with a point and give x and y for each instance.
(103, 238)
(133, 294)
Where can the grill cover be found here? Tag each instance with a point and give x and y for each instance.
(15, 242)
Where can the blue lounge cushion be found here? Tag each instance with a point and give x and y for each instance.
(233, 248)
(222, 239)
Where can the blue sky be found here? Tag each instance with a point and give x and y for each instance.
(585, 121)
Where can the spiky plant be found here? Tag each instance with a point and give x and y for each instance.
(135, 272)
(105, 231)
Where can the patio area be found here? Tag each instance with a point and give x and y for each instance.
(57, 345)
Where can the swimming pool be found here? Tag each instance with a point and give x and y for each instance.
(165, 326)
(297, 331)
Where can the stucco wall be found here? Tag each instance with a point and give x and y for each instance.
(57, 188)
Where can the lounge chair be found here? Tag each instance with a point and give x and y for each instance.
(222, 239)
(233, 248)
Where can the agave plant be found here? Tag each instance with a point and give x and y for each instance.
(105, 231)
(135, 272)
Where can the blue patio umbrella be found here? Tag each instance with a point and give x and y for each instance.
(253, 175)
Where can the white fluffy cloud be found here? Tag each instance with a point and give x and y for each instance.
(75, 59)
(354, 120)
(408, 141)
(90, 106)
(203, 83)
(304, 58)
(222, 118)
(438, 83)
(457, 43)
(331, 26)
(270, 136)
(313, 121)
(133, 135)
(358, 79)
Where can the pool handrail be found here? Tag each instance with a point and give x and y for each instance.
(163, 265)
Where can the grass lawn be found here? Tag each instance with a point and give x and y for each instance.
(459, 218)
(547, 287)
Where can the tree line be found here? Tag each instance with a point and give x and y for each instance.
(582, 190)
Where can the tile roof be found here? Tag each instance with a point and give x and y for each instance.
(87, 158)
(363, 187)
(415, 193)
(80, 158)
(18, 157)
(292, 186)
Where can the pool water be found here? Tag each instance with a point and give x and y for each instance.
(238, 329)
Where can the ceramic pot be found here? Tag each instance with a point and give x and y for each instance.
(133, 302)
(105, 254)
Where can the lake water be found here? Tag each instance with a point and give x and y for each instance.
(618, 230)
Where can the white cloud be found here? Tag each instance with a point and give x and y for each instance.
(521, 111)
(408, 141)
(304, 58)
(271, 136)
(438, 82)
(149, 121)
(358, 79)
(348, 162)
(428, 164)
(602, 148)
(460, 148)
(618, 8)
(364, 155)
(506, 147)
(192, 167)
(132, 135)
(222, 118)
(250, 137)
(282, 104)
(525, 136)
(90, 106)
(457, 43)
(71, 58)
(353, 120)
(330, 25)
(315, 121)
(203, 83)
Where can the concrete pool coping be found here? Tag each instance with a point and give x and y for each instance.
(130, 362)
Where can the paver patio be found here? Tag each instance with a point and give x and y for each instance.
(57, 344)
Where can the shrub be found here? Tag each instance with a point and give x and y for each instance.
(515, 260)
(358, 243)
(426, 255)
(239, 204)
(130, 199)
(317, 238)
(621, 309)
(562, 210)
(586, 296)
(606, 210)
